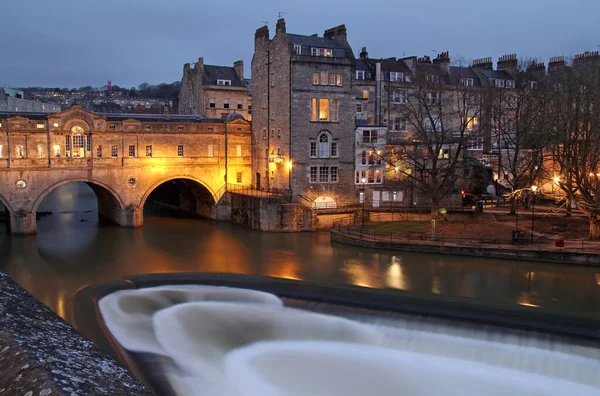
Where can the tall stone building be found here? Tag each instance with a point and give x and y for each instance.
(214, 91)
(304, 119)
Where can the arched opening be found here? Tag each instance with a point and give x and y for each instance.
(4, 217)
(76, 204)
(179, 197)
(324, 202)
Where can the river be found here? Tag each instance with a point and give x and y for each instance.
(72, 250)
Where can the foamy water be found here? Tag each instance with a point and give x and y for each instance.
(226, 341)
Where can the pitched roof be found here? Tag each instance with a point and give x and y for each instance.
(314, 41)
(364, 64)
(391, 64)
(496, 74)
(213, 73)
(458, 72)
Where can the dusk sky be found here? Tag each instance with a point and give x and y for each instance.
(73, 43)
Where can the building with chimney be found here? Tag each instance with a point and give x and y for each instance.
(211, 91)
(303, 120)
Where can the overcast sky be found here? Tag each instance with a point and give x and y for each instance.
(73, 43)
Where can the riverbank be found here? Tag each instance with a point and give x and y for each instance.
(356, 237)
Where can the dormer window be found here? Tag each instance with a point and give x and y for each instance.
(499, 83)
(396, 76)
(223, 82)
(297, 49)
(532, 84)
(510, 83)
(360, 74)
(432, 78)
(314, 51)
(466, 82)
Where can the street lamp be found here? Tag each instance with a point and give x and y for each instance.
(364, 198)
(533, 190)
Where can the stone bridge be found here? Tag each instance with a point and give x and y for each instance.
(123, 158)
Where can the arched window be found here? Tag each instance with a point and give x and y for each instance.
(324, 145)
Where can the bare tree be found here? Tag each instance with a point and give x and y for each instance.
(574, 114)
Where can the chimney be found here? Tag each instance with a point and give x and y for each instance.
(363, 53)
(280, 28)
(260, 36)
(239, 70)
(199, 66)
(507, 63)
(337, 33)
(443, 59)
(424, 59)
(586, 58)
(537, 69)
(556, 62)
(483, 63)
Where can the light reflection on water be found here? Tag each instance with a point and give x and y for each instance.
(72, 250)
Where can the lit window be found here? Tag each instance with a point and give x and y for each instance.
(78, 143)
(131, 150)
(316, 78)
(238, 150)
(223, 82)
(338, 79)
(56, 150)
(40, 125)
(226, 103)
(180, 150)
(325, 109)
(360, 74)
(472, 123)
(331, 78)
(149, 150)
(371, 157)
(444, 153)
(325, 52)
(238, 177)
(211, 150)
(114, 151)
(240, 104)
(323, 78)
(365, 94)
(297, 49)
(1, 151)
(212, 103)
(313, 174)
(334, 174)
(40, 151)
(68, 145)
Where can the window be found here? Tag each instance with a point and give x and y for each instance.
(444, 153)
(313, 150)
(1, 153)
(148, 127)
(396, 76)
(499, 83)
(272, 132)
(223, 82)
(532, 84)
(338, 79)
(323, 174)
(379, 157)
(433, 98)
(364, 158)
(472, 123)
(112, 127)
(131, 151)
(324, 146)
(334, 149)
(466, 82)
(331, 78)
(334, 174)
(510, 83)
(325, 109)
(238, 150)
(323, 78)
(240, 104)
(313, 174)
(432, 126)
(40, 125)
(238, 177)
(278, 132)
(78, 142)
(226, 103)
(99, 152)
(68, 145)
(265, 101)
(360, 74)
(249, 109)
(265, 133)
(88, 143)
(212, 103)
(272, 80)
(19, 151)
(56, 150)
(370, 136)
(325, 52)
(432, 78)
(399, 124)
(149, 150)
(316, 78)
(40, 151)
(211, 150)
(314, 51)
(180, 150)
(475, 144)
(297, 51)
(359, 106)
(365, 94)
(398, 97)
(371, 157)
(114, 151)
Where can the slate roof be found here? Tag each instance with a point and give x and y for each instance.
(364, 64)
(314, 41)
(391, 64)
(213, 73)
(456, 73)
(496, 74)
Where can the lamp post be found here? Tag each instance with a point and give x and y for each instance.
(533, 190)
(364, 198)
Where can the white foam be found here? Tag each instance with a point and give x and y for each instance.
(128, 313)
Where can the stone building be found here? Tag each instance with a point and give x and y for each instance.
(214, 91)
(304, 115)
(12, 100)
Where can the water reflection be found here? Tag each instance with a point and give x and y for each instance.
(74, 249)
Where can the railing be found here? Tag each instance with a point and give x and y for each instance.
(348, 226)
(249, 190)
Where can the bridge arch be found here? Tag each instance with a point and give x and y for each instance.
(110, 204)
(199, 198)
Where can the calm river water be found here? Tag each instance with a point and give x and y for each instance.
(71, 250)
